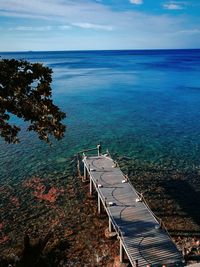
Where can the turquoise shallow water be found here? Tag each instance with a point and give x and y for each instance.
(142, 104)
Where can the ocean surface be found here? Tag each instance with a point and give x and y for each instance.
(139, 104)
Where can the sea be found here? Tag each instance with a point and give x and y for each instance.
(142, 104)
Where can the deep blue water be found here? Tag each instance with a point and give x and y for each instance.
(142, 104)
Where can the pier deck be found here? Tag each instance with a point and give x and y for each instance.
(141, 236)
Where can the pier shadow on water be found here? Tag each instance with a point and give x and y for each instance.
(185, 196)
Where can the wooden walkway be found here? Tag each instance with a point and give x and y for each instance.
(141, 236)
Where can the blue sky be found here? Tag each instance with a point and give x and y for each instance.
(98, 24)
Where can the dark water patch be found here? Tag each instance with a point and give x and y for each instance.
(189, 89)
(169, 65)
(186, 195)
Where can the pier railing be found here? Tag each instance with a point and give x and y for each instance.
(98, 149)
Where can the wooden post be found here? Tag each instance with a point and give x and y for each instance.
(105, 203)
(99, 204)
(91, 186)
(136, 263)
(121, 249)
(99, 149)
(110, 226)
(85, 172)
(78, 166)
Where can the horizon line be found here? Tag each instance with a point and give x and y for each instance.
(96, 50)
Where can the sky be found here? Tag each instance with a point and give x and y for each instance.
(50, 25)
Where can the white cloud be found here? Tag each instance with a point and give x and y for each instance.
(29, 28)
(173, 6)
(89, 15)
(190, 31)
(50, 9)
(64, 27)
(136, 2)
(39, 28)
(86, 25)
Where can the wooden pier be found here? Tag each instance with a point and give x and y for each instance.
(141, 235)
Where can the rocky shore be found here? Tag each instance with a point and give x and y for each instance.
(60, 206)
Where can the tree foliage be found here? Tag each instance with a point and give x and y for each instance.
(25, 91)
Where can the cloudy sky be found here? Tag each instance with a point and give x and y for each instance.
(98, 24)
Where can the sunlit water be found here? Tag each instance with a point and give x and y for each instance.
(142, 104)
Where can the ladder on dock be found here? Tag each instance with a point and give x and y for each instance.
(141, 235)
